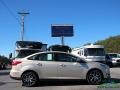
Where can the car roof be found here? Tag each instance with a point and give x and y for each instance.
(51, 52)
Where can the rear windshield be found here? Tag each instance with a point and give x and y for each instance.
(24, 53)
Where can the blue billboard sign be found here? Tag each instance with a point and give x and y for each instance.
(59, 30)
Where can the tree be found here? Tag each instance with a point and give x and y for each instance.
(3, 61)
(112, 44)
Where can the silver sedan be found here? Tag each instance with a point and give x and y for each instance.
(57, 65)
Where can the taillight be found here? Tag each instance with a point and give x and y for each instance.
(14, 62)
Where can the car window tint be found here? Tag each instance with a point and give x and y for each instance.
(42, 57)
(33, 57)
(65, 58)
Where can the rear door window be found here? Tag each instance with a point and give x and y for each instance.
(42, 57)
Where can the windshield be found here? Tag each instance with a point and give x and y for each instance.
(114, 55)
(24, 53)
(95, 52)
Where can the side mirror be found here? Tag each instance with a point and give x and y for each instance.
(10, 55)
(80, 60)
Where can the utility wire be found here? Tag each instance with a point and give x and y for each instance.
(8, 9)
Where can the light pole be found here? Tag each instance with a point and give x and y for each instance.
(23, 14)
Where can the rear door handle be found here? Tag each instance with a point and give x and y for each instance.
(39, 64)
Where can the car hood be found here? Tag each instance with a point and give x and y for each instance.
(116, 58)
(96, 65)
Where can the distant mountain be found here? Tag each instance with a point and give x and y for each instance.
(112, 44)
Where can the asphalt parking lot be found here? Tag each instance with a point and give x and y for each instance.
(6, 83)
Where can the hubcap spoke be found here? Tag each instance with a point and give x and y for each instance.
(29, 79)
(95, 76)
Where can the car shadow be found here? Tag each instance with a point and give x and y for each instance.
(117, 66)
(2, 83)
(114, 80)
(72, 82)
(62, 83)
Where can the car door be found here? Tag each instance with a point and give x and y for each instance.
(68, 68)
(46, 66)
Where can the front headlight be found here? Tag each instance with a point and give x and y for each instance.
(104, 65)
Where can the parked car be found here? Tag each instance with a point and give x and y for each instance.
(115, 58)
(57, 65)
(3, 66)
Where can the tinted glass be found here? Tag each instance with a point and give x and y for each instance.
(42, 57)
(113, 55)
(107, 56)
(65, 58)
(24, 53)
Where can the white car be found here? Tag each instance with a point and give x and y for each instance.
(57, 65)
(115, 58)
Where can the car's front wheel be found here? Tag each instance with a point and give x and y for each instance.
(29, 79)
(94, 77)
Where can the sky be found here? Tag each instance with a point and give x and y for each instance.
(92, 20)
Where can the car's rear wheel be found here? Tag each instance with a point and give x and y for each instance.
(29, 79)
(94, 77)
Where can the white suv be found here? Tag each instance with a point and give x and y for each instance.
(115, 58)
(57, 65)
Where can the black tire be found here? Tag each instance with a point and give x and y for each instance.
(29, 79)
(94, 77)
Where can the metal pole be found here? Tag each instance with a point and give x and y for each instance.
(22, 23)
(22, 28)
(62, 40)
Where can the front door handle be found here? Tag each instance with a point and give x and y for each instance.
(62, 65)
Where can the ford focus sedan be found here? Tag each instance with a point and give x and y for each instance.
(57, 65)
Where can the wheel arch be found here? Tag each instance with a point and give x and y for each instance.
(31, 71)
(95, 69)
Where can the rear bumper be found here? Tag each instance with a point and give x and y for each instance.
(15, 75)
(15, 78)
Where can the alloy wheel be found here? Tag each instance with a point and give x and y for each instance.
(94, 77)
(29, 79)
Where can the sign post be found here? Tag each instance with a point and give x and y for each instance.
(62, 40)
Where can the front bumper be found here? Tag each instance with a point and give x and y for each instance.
(116, 62)
(108, 75)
